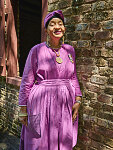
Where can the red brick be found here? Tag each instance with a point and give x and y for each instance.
(92, 87)
(84, 77)
(104, 131)
(98, 145)
(102, 35)
(102, 122)
(105, 115)
(105, 71)
(97, 44)
(85, 52)
(109, 90)
(96, 105)
(89, 17)
(76, 18)
(85, 61)
(104, 98)
(108, 107)
(96, 136)
(64, 4)
(90, 95)
(98, 79)
(73, 36)
(88, 110)
(85, 36)
(70, 28)
(67, 11)
(85, 8)
(94, 26)
(85, 140)
(88, 125)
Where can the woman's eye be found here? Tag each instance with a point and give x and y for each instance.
(60, 24)
(52, 24)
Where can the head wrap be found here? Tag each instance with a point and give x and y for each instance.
(54, 14)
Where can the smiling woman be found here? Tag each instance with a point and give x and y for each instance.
(55, 30)
(50, 95)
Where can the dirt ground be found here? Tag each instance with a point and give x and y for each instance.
(8, 141)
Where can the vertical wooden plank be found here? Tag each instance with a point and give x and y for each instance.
(2, 39)
(44, 13)
(11, 42)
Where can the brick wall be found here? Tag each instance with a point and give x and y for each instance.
(9, 107)
(89, 26)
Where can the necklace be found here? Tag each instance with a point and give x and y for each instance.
(58, 58)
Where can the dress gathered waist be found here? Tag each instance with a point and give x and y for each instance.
(55, 82)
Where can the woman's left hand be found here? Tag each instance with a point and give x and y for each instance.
(75, 109)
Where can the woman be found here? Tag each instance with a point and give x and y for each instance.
(50, 95)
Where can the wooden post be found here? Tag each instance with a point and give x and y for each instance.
(2, 39)
(11, 41)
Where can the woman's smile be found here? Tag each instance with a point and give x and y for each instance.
(58, 32)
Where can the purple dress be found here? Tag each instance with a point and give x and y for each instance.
(49, 90)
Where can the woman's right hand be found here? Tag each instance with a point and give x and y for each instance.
(23, 115)
(23, 120)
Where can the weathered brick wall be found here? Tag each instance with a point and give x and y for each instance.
(9, 107)
(89, 26)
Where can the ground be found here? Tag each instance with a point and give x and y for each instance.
(8, 141)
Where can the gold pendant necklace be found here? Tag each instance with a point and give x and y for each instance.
(58, 58)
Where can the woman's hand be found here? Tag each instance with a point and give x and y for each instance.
(23, 115)
(75, 109)
(23, 120)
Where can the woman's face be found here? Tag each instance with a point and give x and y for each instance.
(56, 28)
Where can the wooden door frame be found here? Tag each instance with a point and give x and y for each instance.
(2, 40)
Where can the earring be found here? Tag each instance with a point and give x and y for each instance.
(47, 40)
(63, 39)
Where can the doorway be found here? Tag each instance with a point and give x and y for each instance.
(29, 28)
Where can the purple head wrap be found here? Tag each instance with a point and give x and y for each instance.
(54, 14)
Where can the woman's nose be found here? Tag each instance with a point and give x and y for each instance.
(57, 26)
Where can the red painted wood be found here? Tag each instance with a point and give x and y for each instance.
(2, 39)
(11, 42)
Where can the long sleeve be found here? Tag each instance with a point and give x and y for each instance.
(28, 77)
(74, 79)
